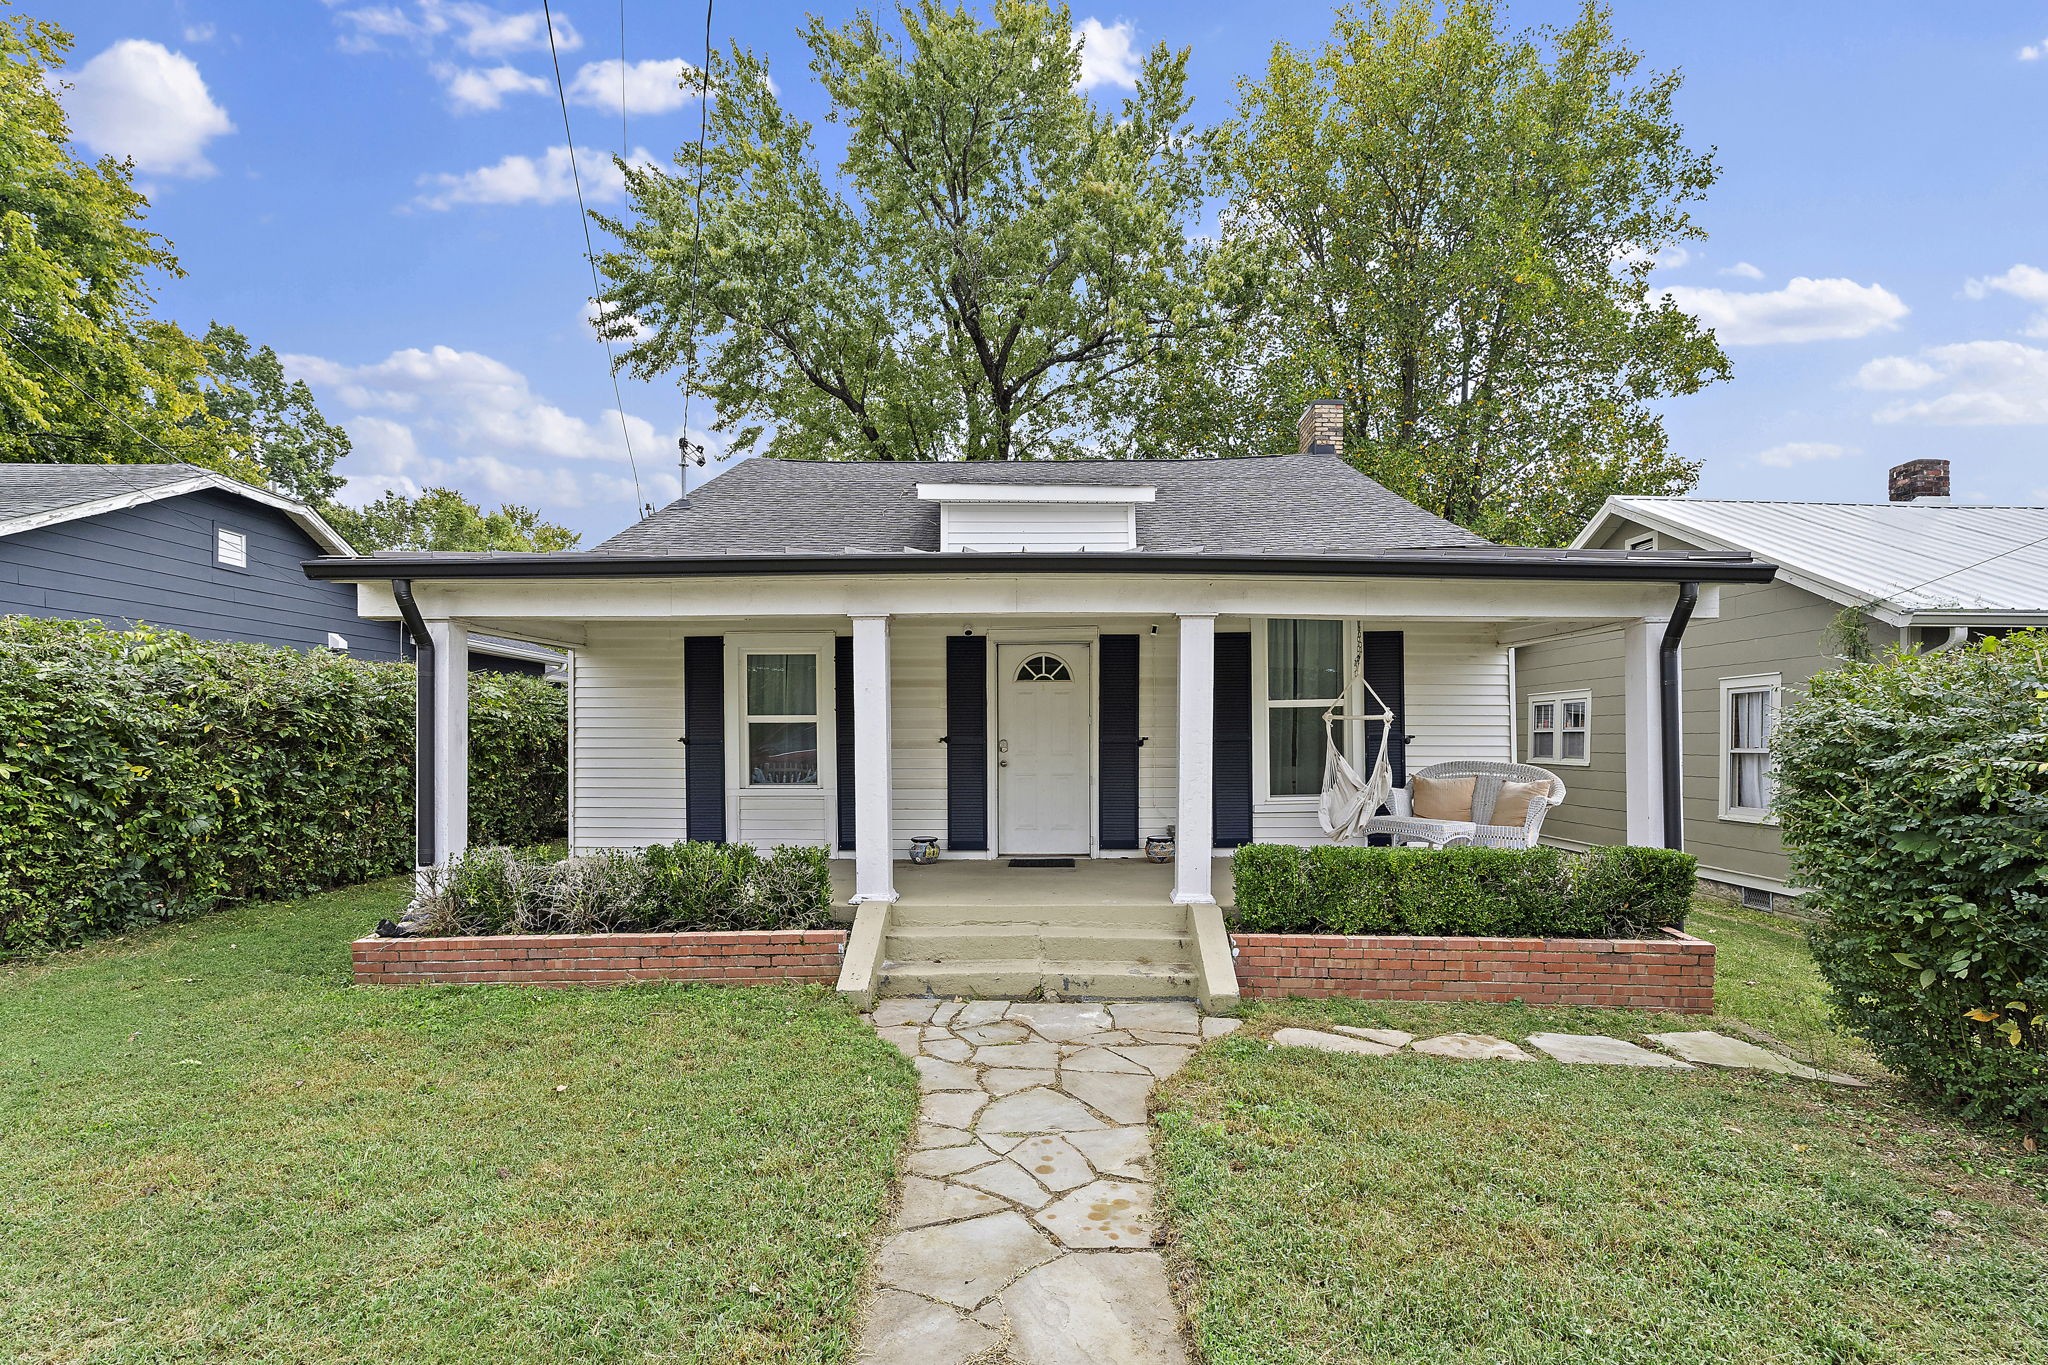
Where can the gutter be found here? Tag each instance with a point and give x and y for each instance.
(1668, 714)
(1593, 565)
(423, 732)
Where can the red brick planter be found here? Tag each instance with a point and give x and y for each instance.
(1674, 972)
(735, 959)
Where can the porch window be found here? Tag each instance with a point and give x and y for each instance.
(1560, 727)
(1749, 712)
(782, 720)
(1304, 678)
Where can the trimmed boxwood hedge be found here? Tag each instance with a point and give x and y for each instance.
(145, 774)
(664, 888)
(1536, 892)
(1913, 791)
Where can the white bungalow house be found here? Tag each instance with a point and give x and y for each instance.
(1025, 661)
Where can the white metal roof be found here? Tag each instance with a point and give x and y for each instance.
(1927, 563)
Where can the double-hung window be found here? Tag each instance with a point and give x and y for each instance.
(1304, 678)
(782, 719)
(1560, 727)
(1749, 711)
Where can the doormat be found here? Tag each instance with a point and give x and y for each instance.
(1041, 862)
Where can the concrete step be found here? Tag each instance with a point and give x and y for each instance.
(1052, 978)
(973, 942)
(913, 913)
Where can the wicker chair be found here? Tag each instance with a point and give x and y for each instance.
(1404, 828)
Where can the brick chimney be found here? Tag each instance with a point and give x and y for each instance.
(1322, 427)
(1919, 479)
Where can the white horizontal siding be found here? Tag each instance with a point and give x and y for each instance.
(626, 716)
(917, 720)
(766, 817)
(1036, 526)
(1159, 723)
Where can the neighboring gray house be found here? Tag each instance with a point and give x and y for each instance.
(1921, 571)
(185, 548)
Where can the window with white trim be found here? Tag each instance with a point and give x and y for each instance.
(230, 548)
(780, 727)
(1561, 727)
(1749, 712)
(1304, 677)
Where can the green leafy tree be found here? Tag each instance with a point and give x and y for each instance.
(1461, 226)
(999, 270)
(284, 431)
(442, 519)
(86, 374)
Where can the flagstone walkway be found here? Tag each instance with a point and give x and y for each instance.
(1025, 1228)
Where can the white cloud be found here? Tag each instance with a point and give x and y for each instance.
(1666, 257)
(471, 88)
(464, 419)
(477, 29)
(650, 87)
(2032, 52)
(1106, 54)
(199, 33)
(1743, 270)
(1802, 452)
(548, 179)
(2024, 282)
(1982, 383)
(141, 100)
(1804, 310)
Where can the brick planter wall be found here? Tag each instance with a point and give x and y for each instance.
(740, 958)
(1674, 972)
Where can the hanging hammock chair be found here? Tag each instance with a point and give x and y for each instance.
(1350, 800)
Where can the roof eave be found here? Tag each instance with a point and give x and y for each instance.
(1596, 566)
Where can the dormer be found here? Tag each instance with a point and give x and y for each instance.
(1010, 517)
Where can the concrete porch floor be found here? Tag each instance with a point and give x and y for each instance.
(1091, 883)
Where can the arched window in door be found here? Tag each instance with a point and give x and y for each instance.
(1043, 668)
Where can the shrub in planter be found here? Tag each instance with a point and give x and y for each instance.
(1913, 792)
(1538, 892)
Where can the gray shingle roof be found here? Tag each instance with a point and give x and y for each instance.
(1275, 504)
(29, 490)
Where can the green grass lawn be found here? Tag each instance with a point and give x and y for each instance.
(213, 1148)
(1405, 1208)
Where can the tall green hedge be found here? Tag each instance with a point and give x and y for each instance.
(145, 774)
(1913, 792)
(1536, 892)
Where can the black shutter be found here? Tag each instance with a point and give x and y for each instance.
(842, 691)
(967, 743)
(1383, 667)
(1231, 796)
(1117, 741)
(704, 726)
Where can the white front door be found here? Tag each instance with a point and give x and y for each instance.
(1042, 748)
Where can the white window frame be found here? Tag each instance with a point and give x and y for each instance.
(221, 535)
(1642, 542)
(1725, 753)
(1263, 704)
(1556, 700)
(819, 717)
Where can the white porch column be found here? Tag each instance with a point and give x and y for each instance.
(873, 873)
(1642, 743)
(451, 739)
(1194, 833)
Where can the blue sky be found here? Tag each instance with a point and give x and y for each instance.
(377, 189)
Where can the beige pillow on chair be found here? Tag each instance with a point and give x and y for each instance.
(1443, 798)
(1511, 807)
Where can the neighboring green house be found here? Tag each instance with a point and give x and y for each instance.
(1921, 571)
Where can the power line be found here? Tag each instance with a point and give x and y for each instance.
(1898, 593)
(696, 243)
(88, 397)
(589, 250)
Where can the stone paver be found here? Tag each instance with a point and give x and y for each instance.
(1718, 1049)
(1385, 1037)
(1217, 1026)
(1025, 1219)
(1472, 1047)
(1329, 1042)
(1594, 1049)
